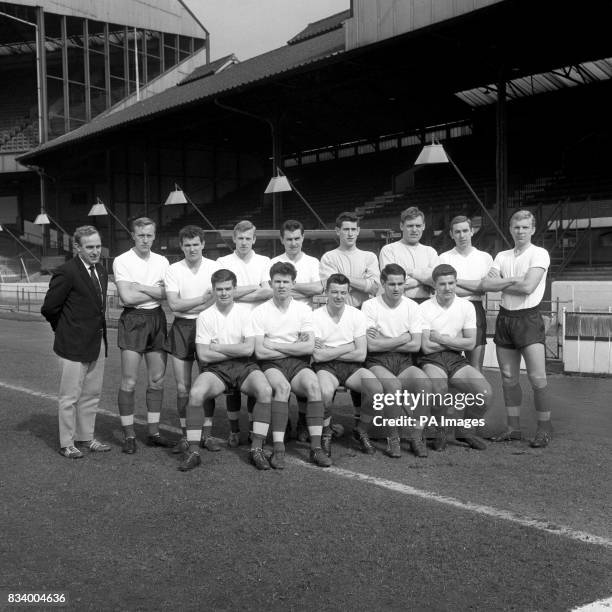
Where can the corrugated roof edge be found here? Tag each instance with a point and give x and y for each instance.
(206, 70)
(248, 73)
(316, 28)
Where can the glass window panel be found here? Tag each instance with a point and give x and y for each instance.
(76, 65)
(53, 25)
(198, 43)
(98, 101)
(185, 44)
(153, 43)
(153, 67)
(97, 69)
(169, 57)
(117, 63)
(76, 123)
(170, 40)
(132, 68)
(55, 97)
(96, 35)
(118, 91)
(76, 101)
(54, 63)
(74, 31)
(116, 34)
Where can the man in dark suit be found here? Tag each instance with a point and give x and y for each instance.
(75, 305)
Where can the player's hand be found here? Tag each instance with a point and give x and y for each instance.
(319, 343)
(372, 332)
(214, 341)
(302, 337)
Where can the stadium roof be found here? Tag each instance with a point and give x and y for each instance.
(316, 28)
(211, 68)
(324, 95)
(241, 75)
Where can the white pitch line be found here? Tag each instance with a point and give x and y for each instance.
(398, 487)
(595, 606)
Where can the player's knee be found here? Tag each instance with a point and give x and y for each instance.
(182, 389)
(537, 381)
(263, 394)
(313, 391)
(128, 384)
(282, 391)
(156, 381)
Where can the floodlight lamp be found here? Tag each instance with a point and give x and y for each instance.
(177, 196)
(278, 184)
(42, 219)
(98, 209)
(432, 154)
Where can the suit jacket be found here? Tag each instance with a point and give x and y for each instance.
(76, 315)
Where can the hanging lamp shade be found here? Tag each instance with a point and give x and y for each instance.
(432, 154)
(278, 184)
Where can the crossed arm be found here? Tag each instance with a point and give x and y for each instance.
(134, 294)
(253, 293)
(404, 343)
(434, 342)
(515, 285)
(269, 349)
(301, 290)
(215, 352)
(351, 351)
(193, 305)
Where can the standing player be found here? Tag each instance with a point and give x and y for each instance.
(449, 328)
(139, 276)
(360, 267)
(472, 266)
(394, 338)
(307, 281)
(339, 353)
(225, 344)
(284, 342)
(307, 285)
(252, 272)
(417, 259)
(188, 292)
(520, 274)
(74, 306)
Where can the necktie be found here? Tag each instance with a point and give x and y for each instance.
(96, 282)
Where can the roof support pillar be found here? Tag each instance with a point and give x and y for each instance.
(277, 160)
(501, 158)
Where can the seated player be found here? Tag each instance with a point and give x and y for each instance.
(394, 337)
(225, 343)
(339, 353)
(449, 328)
(284, 341)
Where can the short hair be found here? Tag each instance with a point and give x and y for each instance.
(291, 225)
(189, 232)
(519, 215)
(284, 268)
(443, 270)
(223, 275)
(82, 231)
(338, 279)
(391, 269)
(412, 213)
(243, 226)
(351, 217)
(460, 219)
(141, 222)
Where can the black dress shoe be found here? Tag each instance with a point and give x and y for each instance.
(129, 446)
(158, 440)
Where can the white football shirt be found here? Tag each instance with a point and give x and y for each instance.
(453, 320)
(393, 322)
(508, 265)
(352, 324)
(131, 268)
(229, 328)
(473, 266)
(284, 327)
(188, 283)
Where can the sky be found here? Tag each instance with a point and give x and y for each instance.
(251, 27)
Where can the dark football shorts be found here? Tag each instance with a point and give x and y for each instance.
(232, 372)
(342, 370)
(516, 329)
(481, 323)
(394, 361)
(180, 342)
(289, 366)
(448, 361)
(141, 330)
